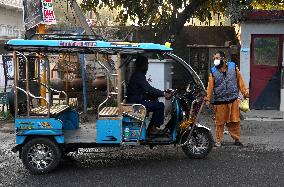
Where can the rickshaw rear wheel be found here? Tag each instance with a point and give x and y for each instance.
(41, 155)
(199, 144)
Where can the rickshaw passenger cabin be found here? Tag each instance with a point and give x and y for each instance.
(62, 121)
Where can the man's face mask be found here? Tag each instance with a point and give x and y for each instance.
(217, 62)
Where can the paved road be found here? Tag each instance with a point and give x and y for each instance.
(259, 163)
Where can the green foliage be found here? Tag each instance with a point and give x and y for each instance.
(268, 4)
(171, 15)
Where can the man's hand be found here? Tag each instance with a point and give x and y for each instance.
(246, 96)
(207, 103)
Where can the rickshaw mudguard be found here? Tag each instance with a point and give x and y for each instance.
(21, 139)
(38, 127)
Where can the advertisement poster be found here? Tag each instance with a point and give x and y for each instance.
(38, 12)
(32, 13)
(48, 12)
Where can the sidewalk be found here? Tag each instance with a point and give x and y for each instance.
(264, 115)
(7, 127)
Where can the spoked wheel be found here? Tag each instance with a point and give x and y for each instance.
(41, 155)
(199, 144)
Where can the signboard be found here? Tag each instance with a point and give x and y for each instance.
(8, 67)
(37, 12)
(8, 72)
(47, 12)
(32, 13)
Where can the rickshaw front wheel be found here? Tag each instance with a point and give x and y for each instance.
(41, 155)
(199, 144)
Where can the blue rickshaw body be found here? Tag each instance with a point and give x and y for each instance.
(38, 127)
(108, 131)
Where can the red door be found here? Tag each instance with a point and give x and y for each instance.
(265, 69)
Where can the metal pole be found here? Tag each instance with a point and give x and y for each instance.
(108, 88)
(38, 69)
(118, 70)
(82, 62)
(15, 60)
(27, 87)
(41, 30)
(48, 88)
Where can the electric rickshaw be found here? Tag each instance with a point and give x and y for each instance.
(49, 125)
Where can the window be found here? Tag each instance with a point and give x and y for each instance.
(266, 51)
(4, 30)
(10, 30)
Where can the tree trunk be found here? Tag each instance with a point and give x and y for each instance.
(177, 24)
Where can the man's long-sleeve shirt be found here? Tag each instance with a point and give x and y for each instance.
(227, 112)
(138, 88)
(240, 82)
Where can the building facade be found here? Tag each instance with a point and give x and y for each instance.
(261, 58)
(11, 19)
(11, 26)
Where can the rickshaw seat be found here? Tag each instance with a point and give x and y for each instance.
(54, 110)
(109, 112)
(128, 110)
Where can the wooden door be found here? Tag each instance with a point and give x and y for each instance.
(265, 69)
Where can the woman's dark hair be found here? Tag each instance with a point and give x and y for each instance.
(141, 61)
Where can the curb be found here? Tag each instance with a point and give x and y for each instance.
(263, 119)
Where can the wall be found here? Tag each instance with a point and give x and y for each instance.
(203, 35)
(249, 28)
(12, 3)
(11, 22)
(190, 35)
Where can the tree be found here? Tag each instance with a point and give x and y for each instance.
(168, 17)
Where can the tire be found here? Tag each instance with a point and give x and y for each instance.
(199, 144)
(41, 155)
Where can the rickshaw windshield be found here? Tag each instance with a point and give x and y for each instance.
(185, 65)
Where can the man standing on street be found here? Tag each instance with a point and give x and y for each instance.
(225, 82)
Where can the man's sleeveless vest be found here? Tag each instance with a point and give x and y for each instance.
(226, 87)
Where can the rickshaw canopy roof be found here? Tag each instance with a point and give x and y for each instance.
(88, 46)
